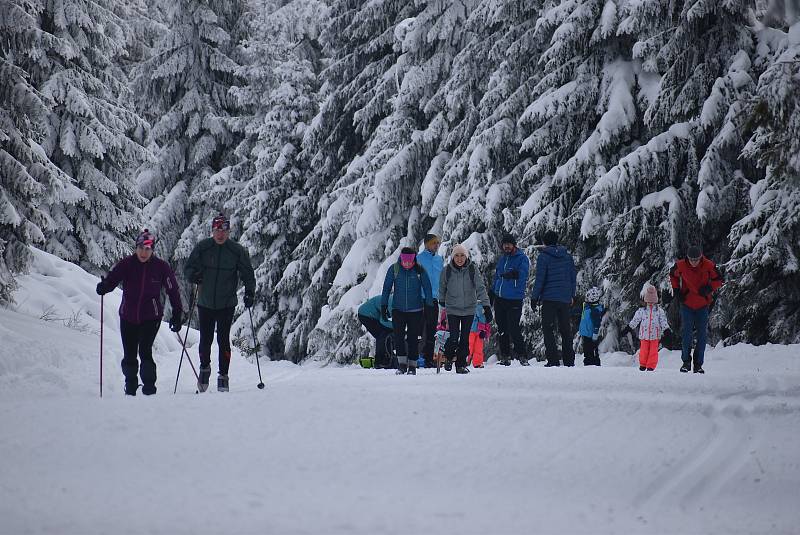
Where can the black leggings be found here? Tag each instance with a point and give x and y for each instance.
(222, 318)
(458, 342)
(138, 339)
(407, 328)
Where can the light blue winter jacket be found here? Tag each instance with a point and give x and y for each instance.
(433, 264)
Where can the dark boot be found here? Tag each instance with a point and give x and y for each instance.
(401, 369)
(698, 369)
(148, 390)
(131, 388)
(686, 367)
(504, 361)
(552, 364)
(412, 370)
(642, 368)
(222, 383)
(462, 369)
(448, 364)
(205, 375)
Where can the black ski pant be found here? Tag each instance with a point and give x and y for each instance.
(138, 339)
(429, 334)
(381, 333)
(222, 319)
(457, 345)
(507, 315)
(554, 312)
(407, 328)
(591, 352)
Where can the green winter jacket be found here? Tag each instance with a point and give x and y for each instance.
(220, 266)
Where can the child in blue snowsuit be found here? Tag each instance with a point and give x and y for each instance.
(591, 317)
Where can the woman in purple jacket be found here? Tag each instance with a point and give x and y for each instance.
(142, 276)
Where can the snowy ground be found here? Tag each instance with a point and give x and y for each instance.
(345, 450)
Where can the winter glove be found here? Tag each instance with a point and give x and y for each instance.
(176, 321)
(481, 334)
(492, 297)
(248, 301)
(596, 337)
(705, 290)
(435, 302)
(101, 287)
(385, 312)
(487, 313)
(197, 278)
(666, 298)
(510, 275)
(666, 339)
(628, 330)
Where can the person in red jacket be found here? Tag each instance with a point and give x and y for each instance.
(694, 280)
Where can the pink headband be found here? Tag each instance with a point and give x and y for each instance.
(407, 257)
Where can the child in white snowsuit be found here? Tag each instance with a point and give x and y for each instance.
(652, 322)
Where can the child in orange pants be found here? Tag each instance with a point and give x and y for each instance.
(478, 333)
(652, 322)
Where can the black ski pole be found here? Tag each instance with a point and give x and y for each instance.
(255, 348)
(183, 342)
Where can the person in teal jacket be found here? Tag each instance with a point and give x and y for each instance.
(433, 264)
(369, 314)
(589, 328)
(409, 282)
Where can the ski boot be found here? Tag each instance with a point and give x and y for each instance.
(222, 383)
(202, 381)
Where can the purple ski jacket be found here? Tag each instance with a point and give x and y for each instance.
(141, 288)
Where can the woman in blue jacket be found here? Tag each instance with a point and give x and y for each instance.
(408, 281)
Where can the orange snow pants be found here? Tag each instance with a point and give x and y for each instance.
(648, 353)
(476, 349)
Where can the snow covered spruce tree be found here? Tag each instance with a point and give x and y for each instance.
(94, 134)
(376, 202)
(358, 84)
(644, 211)
(764, 270)
(29, 182)
(186, 84)
(282, 63)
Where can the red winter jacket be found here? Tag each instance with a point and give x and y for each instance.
(695, 283)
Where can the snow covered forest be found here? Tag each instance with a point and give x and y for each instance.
(336, 132)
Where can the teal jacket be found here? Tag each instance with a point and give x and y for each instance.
(372, 309)
(221, 266)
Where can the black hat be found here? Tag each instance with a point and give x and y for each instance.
(550, 238)
(408, 250)
(508, 238)
(694, 251)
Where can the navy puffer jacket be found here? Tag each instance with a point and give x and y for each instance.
(555, 275)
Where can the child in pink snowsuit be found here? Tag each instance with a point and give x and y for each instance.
(652, 322)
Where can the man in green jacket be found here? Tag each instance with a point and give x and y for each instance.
(216, 264)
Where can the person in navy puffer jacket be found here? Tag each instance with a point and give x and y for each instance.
(554, 287)
(409, 282)
(508, 292)
(143, 276)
